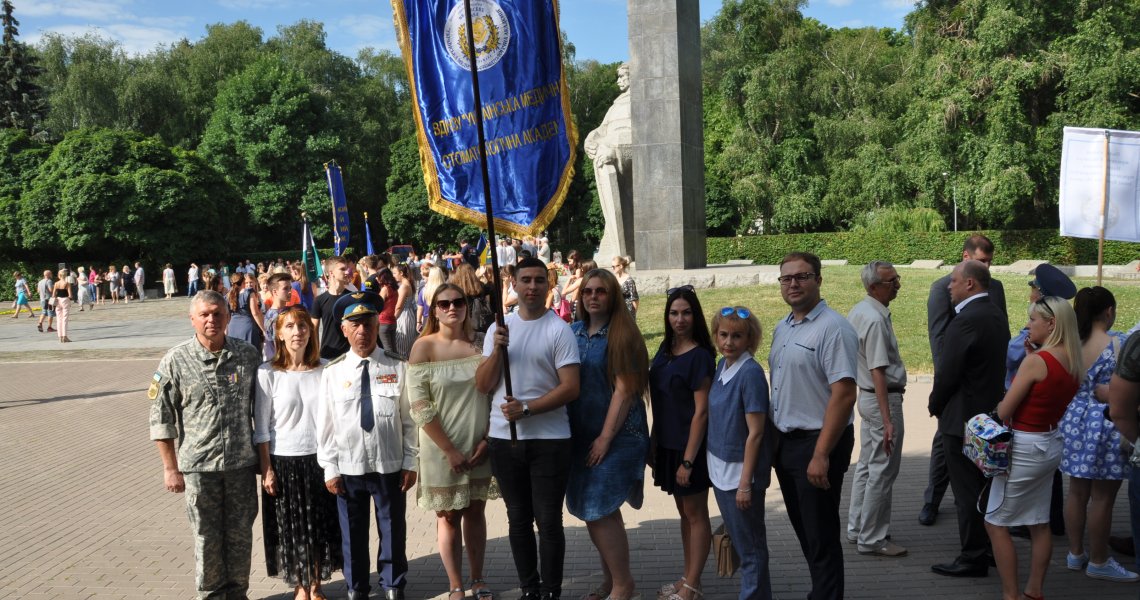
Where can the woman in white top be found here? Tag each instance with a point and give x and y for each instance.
(299, 517)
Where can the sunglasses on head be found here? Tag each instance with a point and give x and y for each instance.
(459, 302)
(743, 313)
(671, 291)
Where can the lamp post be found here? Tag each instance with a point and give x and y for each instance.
(954, 197)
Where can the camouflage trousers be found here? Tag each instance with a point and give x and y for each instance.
(221, 507)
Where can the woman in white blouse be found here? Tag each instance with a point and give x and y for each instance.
(299, 517)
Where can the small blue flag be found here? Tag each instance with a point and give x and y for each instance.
(368, 235)
(339, 207)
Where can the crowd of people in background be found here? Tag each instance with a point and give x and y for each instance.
(388, 372)
(86, 286)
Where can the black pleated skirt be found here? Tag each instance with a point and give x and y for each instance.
(300, 524)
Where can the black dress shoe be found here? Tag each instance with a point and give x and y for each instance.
(529, 596)
(961, 569)
(928, 514)
(394, 594)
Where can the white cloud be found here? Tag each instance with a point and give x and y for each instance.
(93, 10)
(839, 2)
(367, 27)
(133, 39)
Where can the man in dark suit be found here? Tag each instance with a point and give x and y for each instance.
(939, 311)
(969, 378)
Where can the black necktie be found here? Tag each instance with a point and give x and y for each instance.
(367, 421)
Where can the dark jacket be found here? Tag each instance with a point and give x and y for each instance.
(969, 377)
(939, 311)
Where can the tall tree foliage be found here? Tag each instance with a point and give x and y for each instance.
(21, 99)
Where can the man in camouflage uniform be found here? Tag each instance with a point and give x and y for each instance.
(202, 395)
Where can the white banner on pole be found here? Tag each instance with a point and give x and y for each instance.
(1082, 184)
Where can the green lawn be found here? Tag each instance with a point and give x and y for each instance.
(842, 290)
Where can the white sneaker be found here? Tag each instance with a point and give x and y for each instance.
(1111, 571)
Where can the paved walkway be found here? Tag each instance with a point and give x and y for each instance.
(85, 514)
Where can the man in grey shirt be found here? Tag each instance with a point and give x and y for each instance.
(813, 363)
(881, 378)
(939, 311)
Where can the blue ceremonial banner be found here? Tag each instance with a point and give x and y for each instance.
(368, 236)
(531, 141)
(339, 207)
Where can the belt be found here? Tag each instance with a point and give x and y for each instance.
(890, 390)
(796, 434)
(1031, 428)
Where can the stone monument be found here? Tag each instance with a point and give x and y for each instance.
(668, 136)
(610, 146)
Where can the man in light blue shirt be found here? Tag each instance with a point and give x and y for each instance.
(813, 365)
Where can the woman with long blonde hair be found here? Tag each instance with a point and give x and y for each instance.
(609, 431)
(299, 518)
(454, 474)
(247, 322)
(1045, 383)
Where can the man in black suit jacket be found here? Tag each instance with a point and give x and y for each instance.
(939, 311)
(969, 378)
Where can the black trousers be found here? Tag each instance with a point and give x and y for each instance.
(968, 483)
(532, 476)
(814, 512)
(937, 479)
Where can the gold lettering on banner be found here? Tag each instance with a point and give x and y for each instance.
(497, 108)
(505, 143)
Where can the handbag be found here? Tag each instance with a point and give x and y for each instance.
(727, 560)
(987, 444)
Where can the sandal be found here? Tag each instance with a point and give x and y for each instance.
(459, 591)
(696, 593)
(596, 594)
(669, 589)
(484, 592)
(1028, 597)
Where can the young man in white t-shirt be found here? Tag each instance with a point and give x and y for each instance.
(533, 471)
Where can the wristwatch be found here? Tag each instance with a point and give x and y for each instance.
(526, 409)
(688, 464)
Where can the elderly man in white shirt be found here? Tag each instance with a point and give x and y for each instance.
(881, 378)
(367, 446)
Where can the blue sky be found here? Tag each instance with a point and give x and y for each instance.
(596, 27)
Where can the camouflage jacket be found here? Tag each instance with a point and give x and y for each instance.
(206, 403)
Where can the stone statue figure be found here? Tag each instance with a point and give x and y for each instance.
(610, 146)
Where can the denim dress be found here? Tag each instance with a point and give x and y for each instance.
(594, 492)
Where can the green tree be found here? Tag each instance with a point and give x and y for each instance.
(268, 135)
(406, 214)
(20, 159)
(108, 194)
(21, 99)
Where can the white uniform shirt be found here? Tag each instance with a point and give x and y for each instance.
(343, 447)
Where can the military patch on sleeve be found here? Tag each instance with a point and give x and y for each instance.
(152, 391)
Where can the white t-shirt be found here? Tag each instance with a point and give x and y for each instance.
(537, 350)
(284, 410)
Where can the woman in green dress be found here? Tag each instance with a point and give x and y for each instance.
(454, 474)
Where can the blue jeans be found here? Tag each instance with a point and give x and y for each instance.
(750, 538)
(192, 288)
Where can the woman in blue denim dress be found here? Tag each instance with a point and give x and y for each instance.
(608, 428)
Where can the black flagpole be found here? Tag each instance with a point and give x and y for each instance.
(496, 294)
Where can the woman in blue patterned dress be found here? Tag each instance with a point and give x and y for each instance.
(246, 320)
(609, 431)
(1092, 457)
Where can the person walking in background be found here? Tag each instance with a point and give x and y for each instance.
(299, 519)
(939, 312)
(62, 294)
(740, 455)
(140, 279)
(214, 461)
(1093, 456)
(169, 284)
(193, 279)
(406, 331)
(609, 430)
(533, 471)
(968, 379)
(1035, 403)
(128, 284)
(679, 381)
(628, 285)
(86, 290)
(23, 292)
(115, 281)
(454, 471)
(47, 307)
(881, 378)
(247, 322)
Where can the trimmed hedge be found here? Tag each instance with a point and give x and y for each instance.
(862, 248)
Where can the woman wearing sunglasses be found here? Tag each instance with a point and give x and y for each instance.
(608, 428)
(454, 474)
(679, 382)
(299, 517)
(1033, 406)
